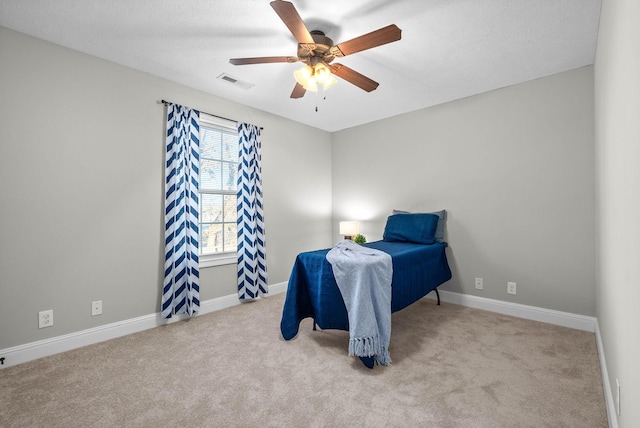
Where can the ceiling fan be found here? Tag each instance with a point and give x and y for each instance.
(317, 51)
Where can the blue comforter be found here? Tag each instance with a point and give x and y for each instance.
(313, 292)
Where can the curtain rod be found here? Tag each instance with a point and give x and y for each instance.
(210, 114)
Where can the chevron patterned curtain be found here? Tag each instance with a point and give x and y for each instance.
(181, 288)
(252, 266)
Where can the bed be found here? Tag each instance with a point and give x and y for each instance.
(419, 267)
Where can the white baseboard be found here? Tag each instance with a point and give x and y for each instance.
(278, 288)
(42, 348)
(564, 319)
(612, 414)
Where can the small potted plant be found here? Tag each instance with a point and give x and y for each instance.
(359, 239)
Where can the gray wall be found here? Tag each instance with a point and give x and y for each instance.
(617, 119)
(81, 146)
(81, 173)
(515, 170)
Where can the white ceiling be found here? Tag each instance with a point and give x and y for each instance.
(450, 49)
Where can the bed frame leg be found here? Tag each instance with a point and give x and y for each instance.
(438, 295)
(314, 324)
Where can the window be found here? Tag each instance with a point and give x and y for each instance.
(218, 177)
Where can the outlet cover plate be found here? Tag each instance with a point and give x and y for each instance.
(96, 308)
(511, 287)
(45, 318)
(479, 284)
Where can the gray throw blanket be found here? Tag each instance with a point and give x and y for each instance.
(364, 277)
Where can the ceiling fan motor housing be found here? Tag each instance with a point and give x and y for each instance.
(312, 53)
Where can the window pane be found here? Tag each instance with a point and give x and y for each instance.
(230, 237)
(210, 143)
(230, 147)
(210, 174)
(211, 238)
(210, 208)
(218, 173)
(230, 209)
(229, 176)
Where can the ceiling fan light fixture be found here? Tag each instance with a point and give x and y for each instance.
(311, 84)
(321, 72)
(310, 77)
(329, 82)
(303, 74)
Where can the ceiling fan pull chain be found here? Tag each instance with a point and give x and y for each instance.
(319, 93)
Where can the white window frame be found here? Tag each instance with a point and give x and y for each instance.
(228, 257)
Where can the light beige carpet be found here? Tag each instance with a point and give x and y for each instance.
(452, 367)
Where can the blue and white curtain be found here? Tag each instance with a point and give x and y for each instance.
(181, 288)
(252, 266)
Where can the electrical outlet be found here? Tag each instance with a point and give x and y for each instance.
(45, 318)
(511, 287)
(96, 308)
(479, 284)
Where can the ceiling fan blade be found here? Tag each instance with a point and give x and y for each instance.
(289, 15)
(298, 91)
(382, 36)
(263, 60)
(352, 76)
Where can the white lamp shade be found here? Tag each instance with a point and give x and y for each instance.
(329, 82)
(321, 73)
(302, 74)
(311, 84)
(349, 228)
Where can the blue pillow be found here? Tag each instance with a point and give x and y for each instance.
(418, 228)
(439, 237)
